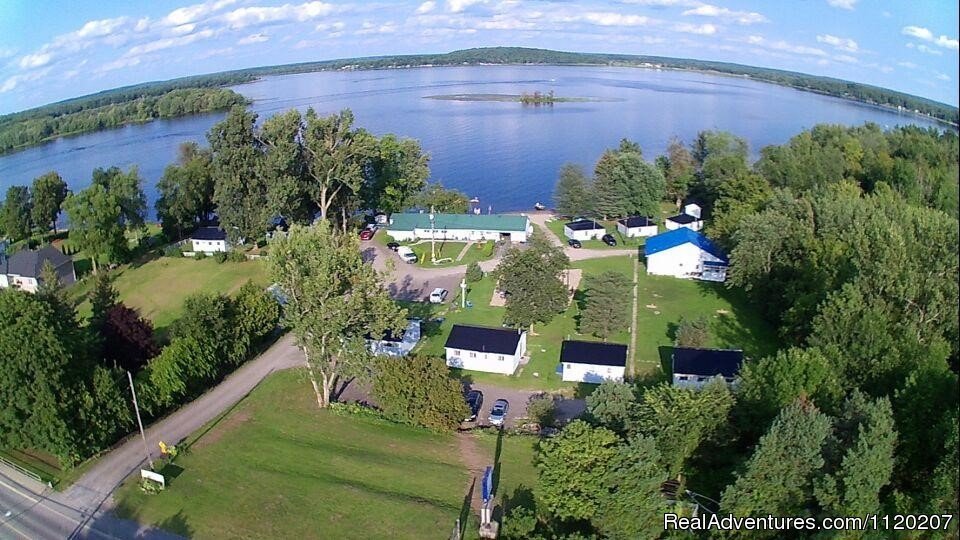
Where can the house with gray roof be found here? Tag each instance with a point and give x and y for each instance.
(22, 269)
(406, 227)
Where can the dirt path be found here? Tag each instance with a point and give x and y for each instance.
(476, 463)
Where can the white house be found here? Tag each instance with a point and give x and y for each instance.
(683, 221)
(481, 348)
(693, 368)
(692, 210)
(592, 362)
(396, 345)
(209, 240)
(636, 226)
(685, 254)
(404, 227)
(584, 229)
(22, 269)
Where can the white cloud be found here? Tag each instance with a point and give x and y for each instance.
(663, 3)
(458, 6)
(7, 52)
(908, 65)
(196, 12)
(740, 17)
(943, 76)
(167, 43)
(119, 63)
(209, 53)
(334, 26)
(925, 34)
(700, 29)
(247, 16)
(370, 28)
(426, 7)
(253, 38)
(845, 58)
(183, 29)
(924, 49)
(793, 48)
(755, 40)
(142, 24)
(609, 18)
(842, 4)
(844, 44)
(12, 82)
(96, 28)
(35, 60)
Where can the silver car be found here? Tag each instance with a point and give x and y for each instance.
(498, 414)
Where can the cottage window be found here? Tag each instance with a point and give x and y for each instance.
(457, 352)
(500, 358)
(473, 354)
(682, 378)
(701, 379)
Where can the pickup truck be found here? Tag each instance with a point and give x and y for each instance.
(406, 254)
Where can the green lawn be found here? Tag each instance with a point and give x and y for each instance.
(516, 475)
(157, 287)
(277, 467)
(479, 251)
(556, 226)
(733, 324)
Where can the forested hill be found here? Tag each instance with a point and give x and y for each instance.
(36, 125)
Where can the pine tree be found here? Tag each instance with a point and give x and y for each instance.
(571, 196)
(605, 313)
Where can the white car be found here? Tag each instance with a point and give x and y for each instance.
(438, 295)
(406, 254)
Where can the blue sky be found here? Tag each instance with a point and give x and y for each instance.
(53, 50)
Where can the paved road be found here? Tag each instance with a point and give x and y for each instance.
(82, 511)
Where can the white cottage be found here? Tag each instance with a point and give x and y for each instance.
(637, 226)
(405, 227)
(694, 368)
(209, 240)
(22, 269)
(683, 221)
(584, 229)
(685, 254)
(396, 345)
(592, 362)
(692, 210)
(481, 348)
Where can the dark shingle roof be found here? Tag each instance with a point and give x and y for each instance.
(592, 352)
(637, 221)
(209, 233)
(29, 263)
(682, 219)
(483, 339)
(678, 237)
(707, 362)
(583, 225)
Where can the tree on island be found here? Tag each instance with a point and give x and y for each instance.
(572, 194)
(334, 300)
(532, 279)
(49, 192)
(606, 312)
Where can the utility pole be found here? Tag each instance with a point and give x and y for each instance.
(463, 293)
(146, 448)
(433, 235)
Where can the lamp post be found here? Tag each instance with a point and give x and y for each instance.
(463, 293)
(136, 408)
(433, 235)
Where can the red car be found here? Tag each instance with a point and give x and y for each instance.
(366, 234)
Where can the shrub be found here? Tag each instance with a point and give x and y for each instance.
(541, 409)
(474, 273)
(172, 250)
(220, 257)
(419, 391)
(199, 256)
(236, 256)
(693, 333)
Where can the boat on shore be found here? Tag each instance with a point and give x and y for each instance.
(539, 206)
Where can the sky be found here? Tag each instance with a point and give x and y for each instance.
(57, 49)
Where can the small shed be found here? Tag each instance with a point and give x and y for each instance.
(592, 362)
(685, 221)
(209, 240)
(694, 368)
(584, 229)
(692, 209)
(637, 226)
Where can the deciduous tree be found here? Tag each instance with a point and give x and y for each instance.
(15, 215)
(398, 172)
(633, 506)
(440, 199)
(95, 224)
(186, 191)
(419, 391)
(613, 405)
(531, 279)
(128, 341)
(693, 333)
(49, 192)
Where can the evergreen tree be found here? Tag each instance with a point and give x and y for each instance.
(419, 391)
(571, 196)
(102, 298)
(613, 405)
(605, 313)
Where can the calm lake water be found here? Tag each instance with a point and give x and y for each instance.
(504, 153)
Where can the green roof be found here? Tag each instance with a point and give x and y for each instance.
(492, 222)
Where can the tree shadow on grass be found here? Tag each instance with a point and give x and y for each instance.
(744, 328)
(666, 359)
(464, 515)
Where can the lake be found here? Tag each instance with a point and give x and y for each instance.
(505, 153)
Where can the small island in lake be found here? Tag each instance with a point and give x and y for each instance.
(526, 98)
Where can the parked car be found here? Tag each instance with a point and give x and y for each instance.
(366, 234)
(406, 254)
(574, 243)
(393, 246)
(475, 402)
(498, 414)
(438, 295)
(609, 240)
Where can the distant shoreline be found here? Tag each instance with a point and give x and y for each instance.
(517, 98)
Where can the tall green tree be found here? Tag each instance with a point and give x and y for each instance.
(613, 405)
(186, 191)
(127, 187)
(398, 172)
(633, 506)
(240, 191)
(96, 224)
(420, 391)
(532, 280)
(440, 199)
(737, 197)
(681, 419)
(15, 215)
(337, 158)
(778, 477)
(624, 184)
(605, 313)
(571, 467)
(49, 191)
(571, 196)
(679, 172)
(283, 167)
(334, 300)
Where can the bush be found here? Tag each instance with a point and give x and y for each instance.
(693, 333)
(419, 391)
(172, 250)
(220, 257)
(236, 256)
(474, 273)
(541, 409)
(199, 256)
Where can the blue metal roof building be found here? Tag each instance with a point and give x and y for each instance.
(678, 237)
(685, 254)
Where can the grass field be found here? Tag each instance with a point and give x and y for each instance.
(733, 324)
(277, 467)
(479, 251)
(157, 287)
